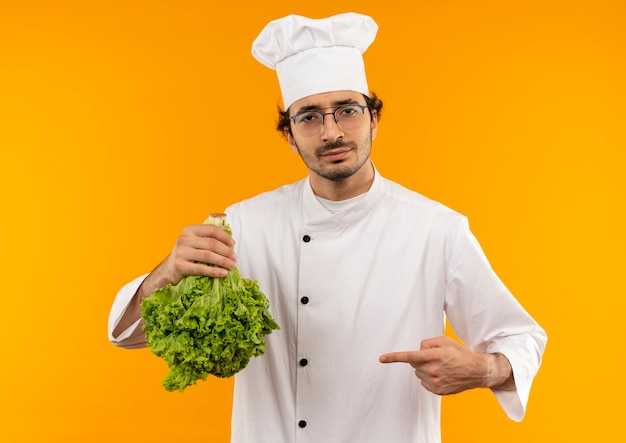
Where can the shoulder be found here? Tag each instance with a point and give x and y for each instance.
(413, 204)
(270, 199)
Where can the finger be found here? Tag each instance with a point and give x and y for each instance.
(210, 231)
(202, 245)
(400, 357)
(223, 259)
(208, 271)
(205, 250)
(196, 262)
(197, 243)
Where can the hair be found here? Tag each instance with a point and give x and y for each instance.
(284, 126)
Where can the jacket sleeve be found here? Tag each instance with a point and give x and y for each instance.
(125, 338)
(487, 318)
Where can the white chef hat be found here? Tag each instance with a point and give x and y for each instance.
(311, 56)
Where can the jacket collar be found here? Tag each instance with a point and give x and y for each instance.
(315, 215)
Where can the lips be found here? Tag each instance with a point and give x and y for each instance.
(336, 154)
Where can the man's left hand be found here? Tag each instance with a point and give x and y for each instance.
(444, 366)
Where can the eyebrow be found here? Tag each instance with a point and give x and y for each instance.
(349, 101)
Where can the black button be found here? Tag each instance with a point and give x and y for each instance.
(304, 300)
(304, 362)
(302, 423)
(306, 239)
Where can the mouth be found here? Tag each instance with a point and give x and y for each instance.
(336, 154)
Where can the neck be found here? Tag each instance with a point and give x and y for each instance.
(338, 190)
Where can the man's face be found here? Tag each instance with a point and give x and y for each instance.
(333, 153)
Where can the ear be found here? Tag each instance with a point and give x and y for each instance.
(291, 141)
(374, 124)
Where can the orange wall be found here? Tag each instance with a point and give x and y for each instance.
(121, 122)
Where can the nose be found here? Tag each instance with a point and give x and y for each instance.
(330, 128)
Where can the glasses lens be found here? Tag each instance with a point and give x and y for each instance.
(349, 117)
(310, 123)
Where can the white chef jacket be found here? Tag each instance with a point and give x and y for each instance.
(348, 287)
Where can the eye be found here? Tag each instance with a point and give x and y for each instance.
(307, 117)
(348, 111)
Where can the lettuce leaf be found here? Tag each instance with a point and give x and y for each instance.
(206, 325)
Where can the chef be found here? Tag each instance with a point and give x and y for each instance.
(361, 273)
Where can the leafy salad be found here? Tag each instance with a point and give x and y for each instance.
(205, 325)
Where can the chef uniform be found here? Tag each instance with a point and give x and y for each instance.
(349, 281)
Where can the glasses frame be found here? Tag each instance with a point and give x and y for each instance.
(324, 114)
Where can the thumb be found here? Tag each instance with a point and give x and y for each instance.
(436, 342)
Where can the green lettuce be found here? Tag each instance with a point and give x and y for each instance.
(206, 325)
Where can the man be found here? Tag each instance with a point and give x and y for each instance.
(360, 272)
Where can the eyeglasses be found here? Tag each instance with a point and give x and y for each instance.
(347, 117)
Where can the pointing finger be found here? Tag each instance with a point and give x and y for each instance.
(400, 357)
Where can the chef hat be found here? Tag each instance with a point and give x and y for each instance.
(311, 56)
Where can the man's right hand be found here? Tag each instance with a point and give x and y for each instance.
(197, 246)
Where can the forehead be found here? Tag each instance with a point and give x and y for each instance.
(326, 100)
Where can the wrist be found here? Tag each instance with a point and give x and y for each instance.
(160, 277)
(499, 373)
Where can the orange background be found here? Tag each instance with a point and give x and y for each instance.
(123, 121)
